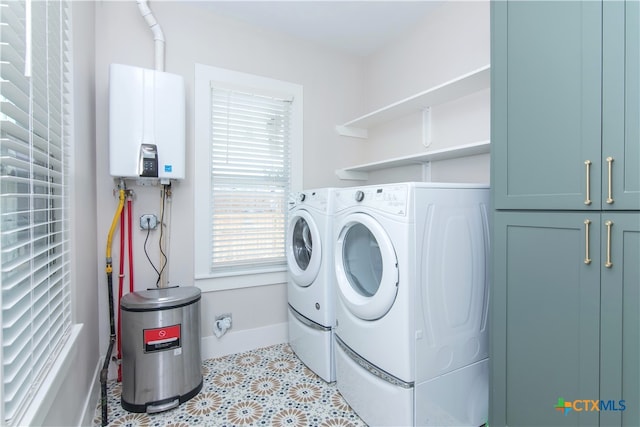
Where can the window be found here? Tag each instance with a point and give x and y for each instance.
(34, 198)
(248, 140)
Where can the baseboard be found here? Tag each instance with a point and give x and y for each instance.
(91, 402)
(239, 341)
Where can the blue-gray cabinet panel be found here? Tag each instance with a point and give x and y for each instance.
(621, 106)
(545, 324)
(620, 302)
(546, 104)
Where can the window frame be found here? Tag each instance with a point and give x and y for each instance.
(204, 75)
(57, 18)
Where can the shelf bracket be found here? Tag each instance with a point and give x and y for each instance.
(426, 127)
(351, 131)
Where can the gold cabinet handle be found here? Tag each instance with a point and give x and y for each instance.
(587, 201)
(587, 258)
(610, 198)
(608, 264)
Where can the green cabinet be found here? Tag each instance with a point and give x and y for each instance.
(545, 317)
(565, 318)
(620, 318)
(564, 101)
(565, 165)
(621, 106)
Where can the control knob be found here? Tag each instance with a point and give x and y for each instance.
(359, 196)
(301, 197)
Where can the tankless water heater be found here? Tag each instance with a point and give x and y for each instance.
(146, 123)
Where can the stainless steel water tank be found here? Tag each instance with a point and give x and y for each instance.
(161, 361)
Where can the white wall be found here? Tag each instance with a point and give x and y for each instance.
(73, 399)
(332, 91)
(450, 41)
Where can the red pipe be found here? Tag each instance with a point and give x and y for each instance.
(120, 290)
(130, 231)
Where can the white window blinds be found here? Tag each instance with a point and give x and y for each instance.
(34, 195)
(250, 178)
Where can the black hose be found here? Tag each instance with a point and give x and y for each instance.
(103, 383)
(112, 323)
(112, 339)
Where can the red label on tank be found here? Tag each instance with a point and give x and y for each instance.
(158, 339)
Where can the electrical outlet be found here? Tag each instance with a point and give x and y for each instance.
(148, 222)
(224, 317)
(222, 324)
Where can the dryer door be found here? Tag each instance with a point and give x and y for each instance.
(366, 267)
(304, 249)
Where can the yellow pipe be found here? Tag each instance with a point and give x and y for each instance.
(112, 230)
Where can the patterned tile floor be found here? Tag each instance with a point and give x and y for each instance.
(264, 387)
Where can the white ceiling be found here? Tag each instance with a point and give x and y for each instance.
(357, 27)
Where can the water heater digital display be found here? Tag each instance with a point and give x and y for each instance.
(146, 123)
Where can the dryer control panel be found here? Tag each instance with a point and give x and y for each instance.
(392, 198)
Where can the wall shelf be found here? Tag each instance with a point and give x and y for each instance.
(449, 91)
(361, 172)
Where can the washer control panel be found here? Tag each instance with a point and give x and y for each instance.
(317, 199)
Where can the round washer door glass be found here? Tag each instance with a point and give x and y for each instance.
(366, 267)
(304, 249)
(302, 243)
(362, 260)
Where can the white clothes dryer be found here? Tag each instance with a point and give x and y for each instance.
(411, 262)
(310, 288)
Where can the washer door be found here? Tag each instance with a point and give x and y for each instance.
(366, 267)
(304, 249)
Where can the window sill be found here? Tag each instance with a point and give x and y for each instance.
(239, 280)
(41, 403)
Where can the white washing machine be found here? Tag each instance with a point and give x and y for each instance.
(311, 282)
(411, 264)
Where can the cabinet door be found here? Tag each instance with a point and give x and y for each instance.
(620, 340)
(546, 104)
(621, 106)
(545, 320)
